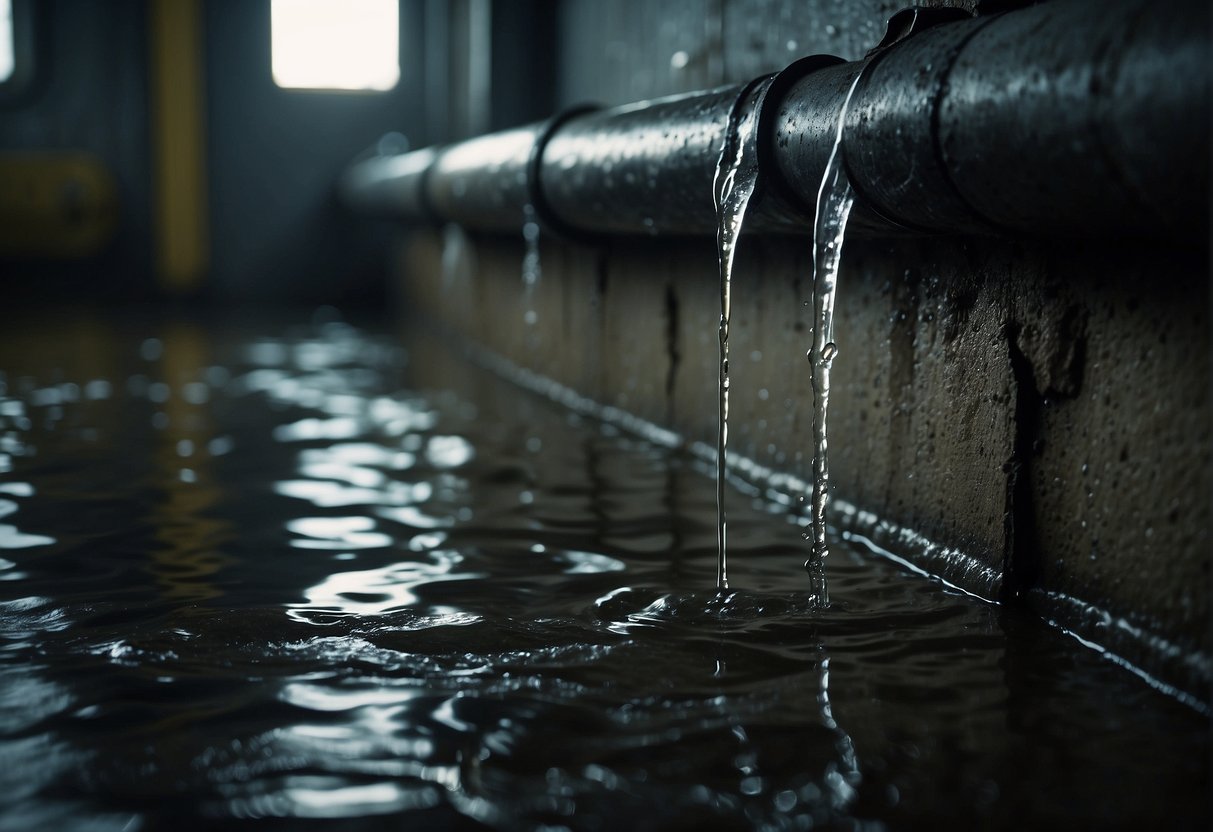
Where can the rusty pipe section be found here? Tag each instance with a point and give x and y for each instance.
(1072, 117)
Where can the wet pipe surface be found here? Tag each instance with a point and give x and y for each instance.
(296, 571)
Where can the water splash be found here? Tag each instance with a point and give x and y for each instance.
(732, 187)
(834, 201)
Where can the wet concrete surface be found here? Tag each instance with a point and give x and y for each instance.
(1042, 409)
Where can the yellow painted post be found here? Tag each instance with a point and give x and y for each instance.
(179, 145)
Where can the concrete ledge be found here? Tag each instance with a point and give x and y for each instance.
(1042, 410)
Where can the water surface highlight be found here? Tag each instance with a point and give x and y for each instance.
(292, 575)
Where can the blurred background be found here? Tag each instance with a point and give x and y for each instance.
(188, 148)
(176, 147)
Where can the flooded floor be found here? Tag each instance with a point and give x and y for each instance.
(301, 572)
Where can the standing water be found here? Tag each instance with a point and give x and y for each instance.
(732, 187)
(293, 576)
(834, 201)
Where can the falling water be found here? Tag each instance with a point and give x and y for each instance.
(530, 261)
(834, 201)
(732, 187)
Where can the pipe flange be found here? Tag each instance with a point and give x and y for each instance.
(768, 119)
(911, 67)
(780, 192)
(425, 204)
(871, 206)
(544, 214)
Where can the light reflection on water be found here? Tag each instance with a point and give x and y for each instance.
(340, 533)
(434, 598)
(376, 591)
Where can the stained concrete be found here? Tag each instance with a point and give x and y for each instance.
(1041, 408)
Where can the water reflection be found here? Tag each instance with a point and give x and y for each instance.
(191, 537)
(448, 451)
(14, 424)
(13, 538)
(275, 581)
(377, 591)
(337, 533)
(842, 779)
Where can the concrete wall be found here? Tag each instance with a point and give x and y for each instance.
(1030, 419)
(1041, 411)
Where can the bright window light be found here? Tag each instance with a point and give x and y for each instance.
(7, 63)
(335, 44)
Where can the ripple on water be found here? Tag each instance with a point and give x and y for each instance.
(338, 533)
(731, 610)
(465, 606)
(13, 538)
(377, 591)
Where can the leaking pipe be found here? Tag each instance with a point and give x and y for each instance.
(1073, 117)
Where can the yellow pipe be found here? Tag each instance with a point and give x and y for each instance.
(179, 145)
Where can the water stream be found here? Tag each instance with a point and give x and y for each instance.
(531, 270)
(732, 188)
(834, 201)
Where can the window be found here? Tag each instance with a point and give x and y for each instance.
(7, 57)
(335, 44)
(17, 26)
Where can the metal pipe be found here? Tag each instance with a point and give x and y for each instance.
(482, 182)
(390, 185)
(1069, 117)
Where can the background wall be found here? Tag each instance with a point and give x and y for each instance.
(630, 50)
(277, 230)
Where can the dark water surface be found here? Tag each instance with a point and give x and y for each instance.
(300, 573)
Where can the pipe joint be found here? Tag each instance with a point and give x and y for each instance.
(777, 131)
(891, 141)
(548, 219)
